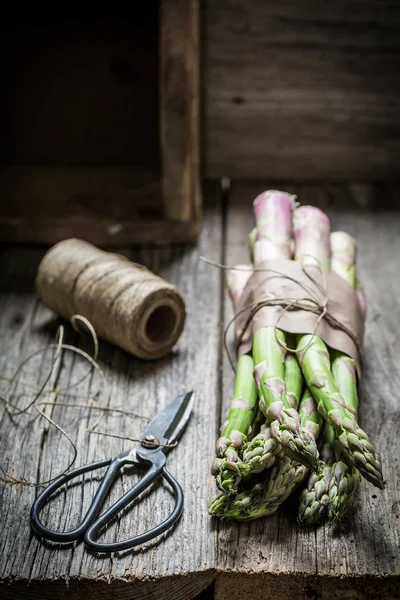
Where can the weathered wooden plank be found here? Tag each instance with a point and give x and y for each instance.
(86, 107)
(179, 108)
(301, 90)
(122, 205)
(101, 232)
(178, 566)
(116, 192)
(274, 557)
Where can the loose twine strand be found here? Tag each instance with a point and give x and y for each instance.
(310, 302)
(13, 410)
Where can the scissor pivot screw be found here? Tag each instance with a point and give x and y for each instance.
(150, 441)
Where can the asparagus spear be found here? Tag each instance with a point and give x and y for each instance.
(261, 450)
(314, 359)
(332, 484)
(345, 476)
(281, 479)
(314, 499)
(273, 213)
(329, 491)
(257, 427)
(343, 256)
(218, 504)
(315, 365)
(244, 403)
(236, 282)
(251, 242)
(234, 431)
(271, 238)
(293, 377)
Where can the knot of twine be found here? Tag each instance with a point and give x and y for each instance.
(311, 302)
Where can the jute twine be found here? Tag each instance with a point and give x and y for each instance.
(126, 303)
(315, 300)
(37, 402)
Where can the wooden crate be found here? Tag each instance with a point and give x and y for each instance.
(302, 90)
(100, 126)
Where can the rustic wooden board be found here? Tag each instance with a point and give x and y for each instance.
(179, 108)
(301, 90)
(270, 558)
(101, 126)
(274, 558)
(180, 565)
(105, 206)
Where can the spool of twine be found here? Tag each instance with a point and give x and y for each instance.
(126, 303)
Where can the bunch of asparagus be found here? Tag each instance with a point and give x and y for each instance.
(293, 417)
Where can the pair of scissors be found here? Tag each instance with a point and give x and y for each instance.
(161, 433)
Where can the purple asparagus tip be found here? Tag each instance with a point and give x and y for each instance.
(276, 204)
(308, 217)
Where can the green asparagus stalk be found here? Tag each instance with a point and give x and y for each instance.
(218, 504)
(314, 499)
(273, 213)
(281, 479)
(345, 476)
(263, 501)
(244, 404)
(251, 242)
(269, 239)
(262, 449)
(329, 491)
(283, 418)
(234, 431)
(256, 428)
(293, 378)
(314, 358)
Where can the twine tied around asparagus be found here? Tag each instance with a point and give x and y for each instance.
(317, 304)
(80, 324)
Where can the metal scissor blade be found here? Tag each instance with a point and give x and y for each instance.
(171, 421)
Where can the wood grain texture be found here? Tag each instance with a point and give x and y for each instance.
(102, 232)
(301, 90)
(179, 108)
(270, 558)
(176, 566)
(100, 124)
(274, 557)
(105, 206)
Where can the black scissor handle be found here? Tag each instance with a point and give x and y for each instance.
(90, 526)
(141, 538)
(75, 534)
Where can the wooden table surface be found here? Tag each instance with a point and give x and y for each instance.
(270, 558)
